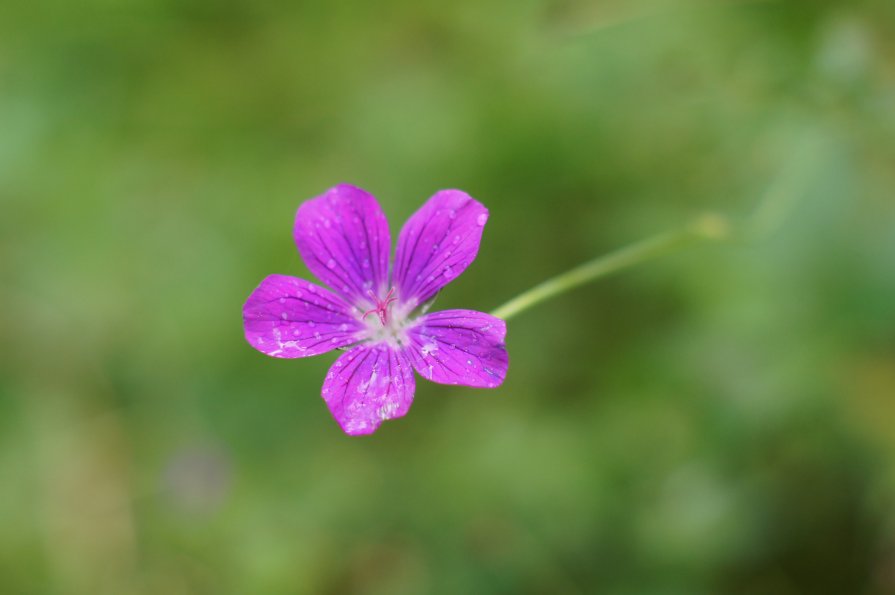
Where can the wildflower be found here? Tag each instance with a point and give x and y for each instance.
(379, 317)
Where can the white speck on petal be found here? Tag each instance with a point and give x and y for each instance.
(387, 410)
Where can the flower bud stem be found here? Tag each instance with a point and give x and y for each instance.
(707, 227)
(772, 210)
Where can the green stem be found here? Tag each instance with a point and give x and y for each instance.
(772, 210)
(707, 227)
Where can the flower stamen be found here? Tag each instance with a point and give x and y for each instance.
(381, 308)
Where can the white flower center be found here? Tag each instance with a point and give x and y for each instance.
(384, 324)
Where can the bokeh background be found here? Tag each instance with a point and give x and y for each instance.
(719, 420)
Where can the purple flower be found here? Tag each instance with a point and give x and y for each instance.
(378, 316)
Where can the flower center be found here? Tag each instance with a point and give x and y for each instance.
(392, 327)
(381, 306)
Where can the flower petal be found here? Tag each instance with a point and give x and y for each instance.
(344, 240)
(437, 244)
(460, 347)
(289, 317)
(367, 385)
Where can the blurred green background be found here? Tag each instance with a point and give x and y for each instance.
(719, 420)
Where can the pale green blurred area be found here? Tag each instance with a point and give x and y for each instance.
(721, 420)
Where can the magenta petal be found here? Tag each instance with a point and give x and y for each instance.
(289, 317)
(437, 244)
(460, 347)
(344, 240)
(367, 385)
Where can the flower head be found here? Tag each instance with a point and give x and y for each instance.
(375, 314)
